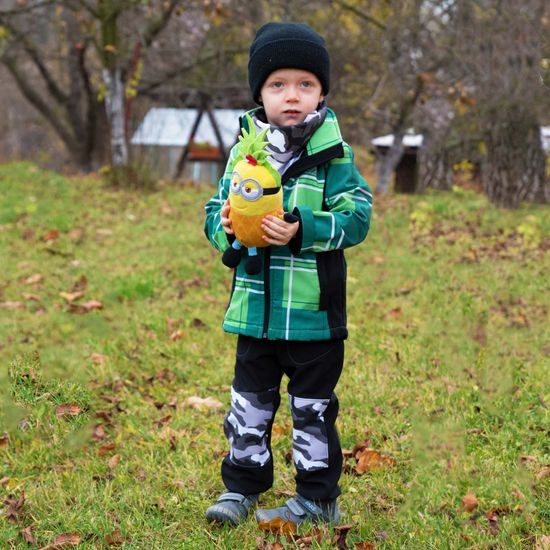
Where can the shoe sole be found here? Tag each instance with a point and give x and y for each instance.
(222, 515)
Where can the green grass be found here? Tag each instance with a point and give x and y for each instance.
(446, 370)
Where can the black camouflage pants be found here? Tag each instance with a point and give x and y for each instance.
(313, 369)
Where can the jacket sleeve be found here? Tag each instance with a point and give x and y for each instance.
(346, 221)
(213, 229)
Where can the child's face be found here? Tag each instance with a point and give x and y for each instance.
(289, 95)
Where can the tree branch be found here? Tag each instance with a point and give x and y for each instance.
(156, 26)
(36, 100)
(361, 14)
(31, 50)
(146, 89)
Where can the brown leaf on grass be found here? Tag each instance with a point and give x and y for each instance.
(4, 481)
(378, 260)
(542, 542)
(12, 305)
(113, 462)
(340, 534)
(178, 335)
(98, 358)
(365, 545)
(14, 507)
(115, 538)
(81, 309)
(162, 421)
(72, 296)
(62, 541)
(104, 449)
(278, 526)
(67, 409)
(480, 335)
(261, 544)
(31, 297)
(104, 415)
(50, 235)
(279, 430)
(4, 439)
(198, 323)
(76, 234)
(544, 472)
(28, 536)
(394, 313)
(370, 459)
(35, 279)
(99, 433)
(202, 402)
(469, 502)
(527, 459)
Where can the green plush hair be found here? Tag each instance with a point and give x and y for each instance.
(253, 145)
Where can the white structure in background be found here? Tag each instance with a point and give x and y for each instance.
(164, 133)
(406, 170)
(545, 137)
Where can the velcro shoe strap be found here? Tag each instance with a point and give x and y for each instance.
(303, 507)
(234, 497)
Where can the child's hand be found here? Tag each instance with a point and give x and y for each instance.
(224, 215)
(277, 231)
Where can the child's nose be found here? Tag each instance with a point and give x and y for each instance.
(292, 93)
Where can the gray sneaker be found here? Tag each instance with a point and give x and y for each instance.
(297, 510)
(231, 508)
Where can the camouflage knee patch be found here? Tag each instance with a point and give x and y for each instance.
(309, 434)
(246, 426)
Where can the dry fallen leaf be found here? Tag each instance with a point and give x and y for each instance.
(50, 235)
(28, 536)
(469, 502)
(12, 305)
(72, 296)
(98, 358)
(4, 481)
(278, 526)
(369, 459)
(542, 542)
(67, 539)
(104, 449)
(114, 539)
(340, 534)
(35, 279)
(113, 462)
(13, 507)
(545, 472)
(364, 545)
(67, 409)
(4, 439)
(199, 402)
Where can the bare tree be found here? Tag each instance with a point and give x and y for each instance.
(501, 51)
(83, 63)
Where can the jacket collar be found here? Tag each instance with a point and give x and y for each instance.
(325, 144)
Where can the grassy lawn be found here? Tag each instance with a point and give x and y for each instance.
(111, 305)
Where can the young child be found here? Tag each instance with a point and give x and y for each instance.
(291, 316)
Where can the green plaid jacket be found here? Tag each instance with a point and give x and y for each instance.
(300, 294)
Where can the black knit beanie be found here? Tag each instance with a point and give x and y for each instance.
(287, 46)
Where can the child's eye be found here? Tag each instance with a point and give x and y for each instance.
(277, 84)
(307, 84)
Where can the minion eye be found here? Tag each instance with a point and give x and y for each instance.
(251, 190)
(235, 183)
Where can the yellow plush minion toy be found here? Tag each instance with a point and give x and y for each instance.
(255, 192)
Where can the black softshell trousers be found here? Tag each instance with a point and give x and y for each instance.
(313, 369)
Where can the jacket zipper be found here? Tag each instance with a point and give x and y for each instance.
(267, 256)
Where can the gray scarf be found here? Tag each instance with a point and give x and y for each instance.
(286, 143)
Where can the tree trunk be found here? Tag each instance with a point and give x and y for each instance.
(387, 162)
(114, 103)
(514, 168)
(434, 168)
